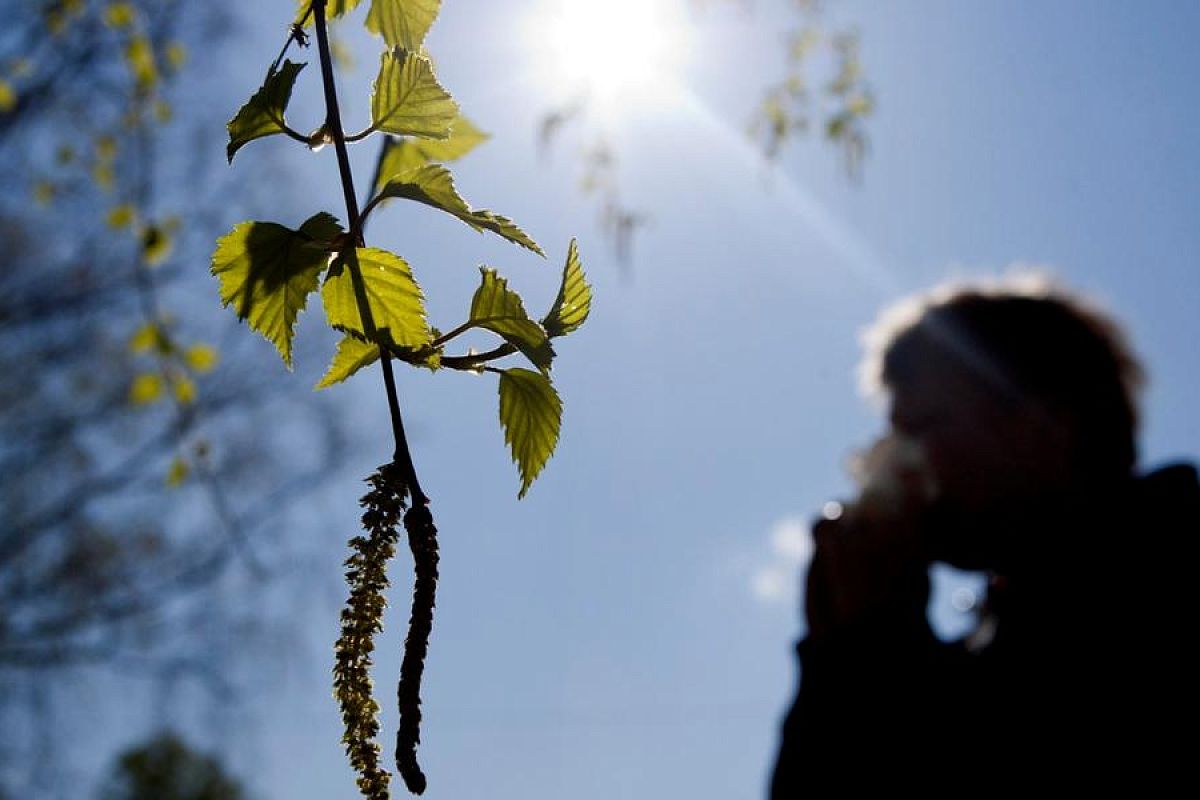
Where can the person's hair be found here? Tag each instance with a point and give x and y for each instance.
(1030, 343)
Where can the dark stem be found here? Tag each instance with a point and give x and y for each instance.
(371, 200)
(461, 329)
(369, 207)
(292, 133)
(333, 123)
(383, 150)
(358, 137)
(478, 359)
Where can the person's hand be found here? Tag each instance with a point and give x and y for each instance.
(869, 562)
(863, 573)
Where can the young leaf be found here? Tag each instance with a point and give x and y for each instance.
(184, 389)
(408, 100)
(177, 473)
(146, 338)
(574, 301)
(201, 358)
(531, 415)
(497, 308)
(433, 185)
(263, 113)
(139, 57)
(402, 23)
(405, 155)
(351, 356)
(269, 271)
(156, 245)
(393, 297)
(121, 216)
(145, 389)
(8, 97)
(176, 55)
(321, 229)
(119, 15)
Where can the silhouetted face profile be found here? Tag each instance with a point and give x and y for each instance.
(989, 457)
(1019, 401)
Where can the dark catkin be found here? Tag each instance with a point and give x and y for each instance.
(422, 539)
(362, 618)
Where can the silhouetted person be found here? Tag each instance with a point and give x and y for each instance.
(1011, 450)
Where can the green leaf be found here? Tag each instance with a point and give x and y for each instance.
(269, 270)
(405, 155)
(145, 389)
(322, 228)
(119, 15)
(177, 473)
(408, 100)
(531, 415)
(157, 245)
(402, 23)
(184, 389)
(433, 185)
(201, 358)
(121, 216)
(176, 55)
(139, 57)
(8, 97)
(497, 308)
(394, 299)
(351, 356)
(333, 9)
(146, 338)
(574, 301)
(263, 113)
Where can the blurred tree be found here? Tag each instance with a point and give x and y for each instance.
(165, 768)
(823, 87)
(136, 465)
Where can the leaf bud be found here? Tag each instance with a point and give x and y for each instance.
(319, 138)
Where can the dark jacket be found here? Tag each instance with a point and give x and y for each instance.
(1081, 676)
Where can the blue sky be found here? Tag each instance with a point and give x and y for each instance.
(625, 631)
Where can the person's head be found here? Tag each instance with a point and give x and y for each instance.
(1017, 390)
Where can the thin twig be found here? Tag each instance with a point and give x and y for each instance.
(474, 361)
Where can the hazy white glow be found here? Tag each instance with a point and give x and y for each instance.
(776, 580)
(610, 48)
(772, 585)
(962, 599)
(791, 540)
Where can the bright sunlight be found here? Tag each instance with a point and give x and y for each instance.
(612, 50)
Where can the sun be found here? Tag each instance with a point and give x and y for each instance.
(610, 49)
